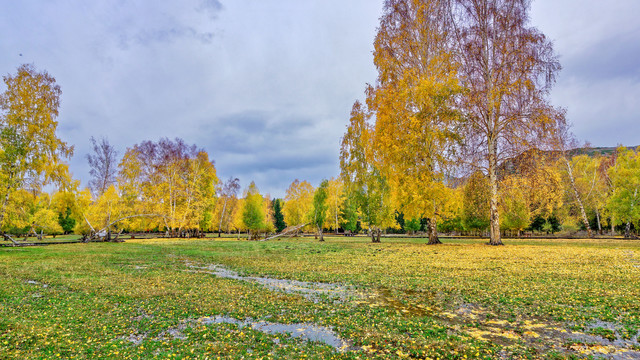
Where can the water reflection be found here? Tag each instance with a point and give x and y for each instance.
(304, 331)
(310, 290)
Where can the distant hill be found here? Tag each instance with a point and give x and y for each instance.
(591, 151)
(527, 161)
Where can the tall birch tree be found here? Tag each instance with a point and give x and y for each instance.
(31, 154)
(507, 68)
(414, 105)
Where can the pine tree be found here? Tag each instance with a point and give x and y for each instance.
(278, 217)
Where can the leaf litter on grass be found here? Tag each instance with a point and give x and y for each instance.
(467, 319)
(608, 341)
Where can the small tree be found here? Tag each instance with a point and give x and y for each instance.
(106, 209)
(227, 194)
(278, 217)
(66, 221)
(564, 141)
(104, 166)
(335, 198)
(514, 205)
(269, 220)
(65, 204)
(412, 225)
(46, 220)
(298, 202)
(252, 213)
(475, 203)
(319, 211)
(362, 178)
(349, 213)
(625, 177)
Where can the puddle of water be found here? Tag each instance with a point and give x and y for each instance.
(600, 339)
(613, 331)
(175, 333)
(543, 335)
(310, 290)
(304, 331)
(314, 291)
(33, 282)
(135, 339)
(385, 298)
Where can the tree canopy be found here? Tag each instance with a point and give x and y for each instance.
(31, 153)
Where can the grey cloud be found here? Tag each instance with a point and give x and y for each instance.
(254, 131)
(599, 44)
(212, 7)
(148, 23)
(278, 160)
(173, 33)
(247, 121)
(269, 148)
(614, 57)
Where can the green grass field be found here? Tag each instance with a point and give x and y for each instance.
(161, 299)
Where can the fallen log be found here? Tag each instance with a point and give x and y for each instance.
(286, 231)
(8, 237)
(97, 234)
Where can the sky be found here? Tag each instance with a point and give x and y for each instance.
(266, 86)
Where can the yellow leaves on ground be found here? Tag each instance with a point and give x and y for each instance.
(448, 301)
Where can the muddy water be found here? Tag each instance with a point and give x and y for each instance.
(313, 291)
(304, 331)
(536, 333)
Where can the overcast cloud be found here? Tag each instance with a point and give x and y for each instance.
(266, 86)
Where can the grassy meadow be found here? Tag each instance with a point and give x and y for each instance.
(398, 299)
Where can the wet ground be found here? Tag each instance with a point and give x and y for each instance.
(599, 339)
(313, 291)
(304, 331)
